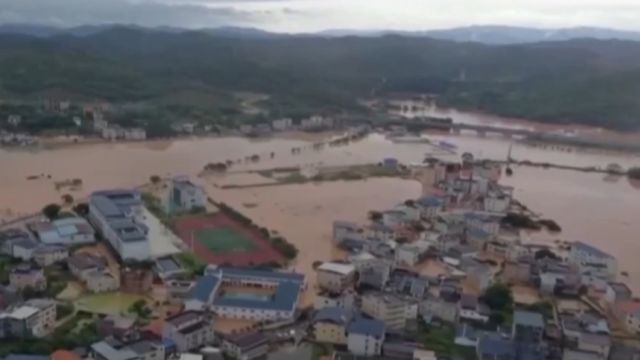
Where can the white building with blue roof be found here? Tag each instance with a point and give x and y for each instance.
(221, 290)
(593, 261)
(118, 216)
(365, 336)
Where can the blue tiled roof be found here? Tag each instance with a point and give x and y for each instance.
(333, 314)
(528, 318)
(367, 327)
(284, 299)
(429, 201)
(262, 274)
(477, 232)
(594, 251)
(496, 346)
(204, 287)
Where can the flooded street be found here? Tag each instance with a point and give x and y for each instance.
(589, 207)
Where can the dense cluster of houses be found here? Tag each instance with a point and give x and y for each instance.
(312, 123)
(386, 279)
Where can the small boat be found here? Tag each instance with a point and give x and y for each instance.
(409, 140)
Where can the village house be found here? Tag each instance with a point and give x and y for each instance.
(592, 260)
(595, 343)
(121, 328)
(498, 200)
(335, 277)
(380, 232)
(9, 296)
(478, 275)
(628, 313)
(430, 206)
(365, 337)
(246, 346)
(25, 276)
(14, 119)
(343, 230)
(46, 255)
(93, 271)
(23, 248)
(470, 308)
(393, 310)
(484, 221)
(517, 272)
(393, 218)
(497, 249)
(68, 231)
(282, 124)
(35, 318)
(330, 325)
(466, 335)
(436, 307)
(412, 254)
(100, 280)
(616, 293)
(493, 346)
(345, 300)
(135, 280)
(186, 196)
(477, 237)
(414, 287)
(189, 330)
(574, 326)
(111, 349)
(527, 326)
(375, 277)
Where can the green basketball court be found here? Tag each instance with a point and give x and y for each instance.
(223, 239)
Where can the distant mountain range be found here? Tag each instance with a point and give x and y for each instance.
(486, 34)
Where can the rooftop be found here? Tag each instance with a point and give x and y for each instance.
(184, 318)
(338, 268)
(335, 315)
(248, 341)
(528, 318)
(21, 312)
(85, 261)
(368, 327)
(591, 250)
(109, 352)
(204, 288)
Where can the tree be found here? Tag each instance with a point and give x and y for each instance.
(155, 179)
(51, 211)
(498, 297)
(67, 199)
(375, 215)
(81, 209)
(634, 173)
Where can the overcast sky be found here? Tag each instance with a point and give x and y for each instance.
(314, 15)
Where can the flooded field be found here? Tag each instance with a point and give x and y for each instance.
(589, 207)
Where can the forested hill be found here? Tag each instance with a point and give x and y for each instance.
(585, 81)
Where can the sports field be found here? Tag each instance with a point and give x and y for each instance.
(223, 239)
(218, 239)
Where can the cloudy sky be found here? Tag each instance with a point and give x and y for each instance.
(314, 15)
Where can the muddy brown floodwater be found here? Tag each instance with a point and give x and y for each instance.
(589, 207)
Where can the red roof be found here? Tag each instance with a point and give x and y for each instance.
(64, 355)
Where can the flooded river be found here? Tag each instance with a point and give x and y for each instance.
(589, 207)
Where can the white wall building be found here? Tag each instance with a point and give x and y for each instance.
(365, 337)
(392, 310)
(117, 214)
(593, 261)
(335, 277)
(68, 231)
(185, 195)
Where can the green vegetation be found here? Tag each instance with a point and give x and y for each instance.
(51, 211)
(441, 341)
(499, 299)
(107, 303)
(192, 76)
(191, 263)
(543, 307)
(140, 308)
(223, 239)
(63, 310)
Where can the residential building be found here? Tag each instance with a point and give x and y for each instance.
(478, 275)
(527, 326)
(25, 276)
(617, 292)
(118, 216)
(470, 308)
(189, 330)
(246, 346)
(82, 263)
(380, 232)
(9, 296)
(466, 335)
(394, 311)
(134, 134)
(35, 318)
(114, 349)
(185, 195)
(67, 231)
(14, 119)
(343, 230)
(330, 325)
(335, 277)
(628, 312)
(482, 220)
(435, 307)
(365, 337)
(393, 218)
(595, 343)
(430, 206)
(121, 328)
(281, 304)
(101, 280)
(592, 260)
(23, 248)
(46, 255)
(282, 124)
(135, 280)
(413, 253)
(517, 272)
(569, 354)
(345, 300)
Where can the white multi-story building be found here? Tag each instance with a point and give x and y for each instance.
(365, 337)
(282, 124)
(185, 195)
(392, 310)
(118, 216)
(189, 330)
(593, 261)
(35, 318)
(335, 277)
(411, 254)
(134, 134)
